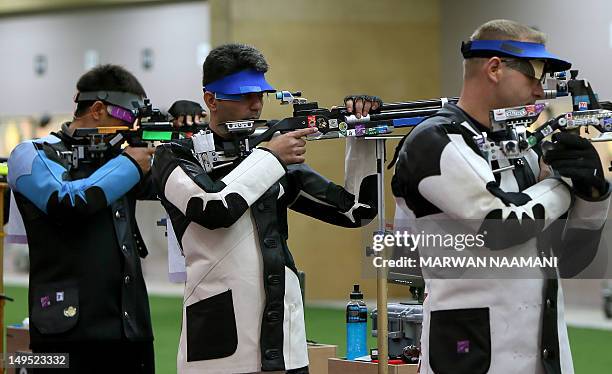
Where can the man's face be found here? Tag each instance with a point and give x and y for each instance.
(241, 107)
(517, 85)
(248, 107)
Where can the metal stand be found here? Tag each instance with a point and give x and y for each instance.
(381, 272)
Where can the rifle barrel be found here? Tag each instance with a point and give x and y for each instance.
(418, 104)
(403, 114)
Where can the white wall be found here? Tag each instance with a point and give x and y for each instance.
(173, 31)
(119, 34)
(577, 30)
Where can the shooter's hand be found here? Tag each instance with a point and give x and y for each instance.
(142, 157)
(290, 147)
(576, 158)
(361, 105)
(187, 112)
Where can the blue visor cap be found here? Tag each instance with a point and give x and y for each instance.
(240, 83)
(513, 48)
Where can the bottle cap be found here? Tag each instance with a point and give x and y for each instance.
(356, 294)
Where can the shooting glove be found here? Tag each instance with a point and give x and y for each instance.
(185, 108)
(364, 98)
(576, 158)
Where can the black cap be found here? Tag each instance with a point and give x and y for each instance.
(356, 294)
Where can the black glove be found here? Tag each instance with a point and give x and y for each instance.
(363, 99)
(186, 108)
(576, 158)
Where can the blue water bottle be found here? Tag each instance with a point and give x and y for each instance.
(356, 325)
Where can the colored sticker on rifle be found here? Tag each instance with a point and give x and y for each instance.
(479, 139)
(59, 296)
(581, 98)
(156, 135)
(547, 131)
(312, 121)
(343, 128)
(322, 123)
(350, 132)
(383, 130)
(333, 123)
(359, 130)
(583, 105)
(111, 129)
(499, 114)
(532, 141)
(517, 112)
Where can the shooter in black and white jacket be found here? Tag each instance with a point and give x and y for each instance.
(516, 324)
(243, 309)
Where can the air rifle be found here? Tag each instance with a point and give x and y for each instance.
(515, 122)
(335, 122)
(338, 123)
(96, 145)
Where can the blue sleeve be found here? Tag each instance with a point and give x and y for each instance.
(41, 181)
